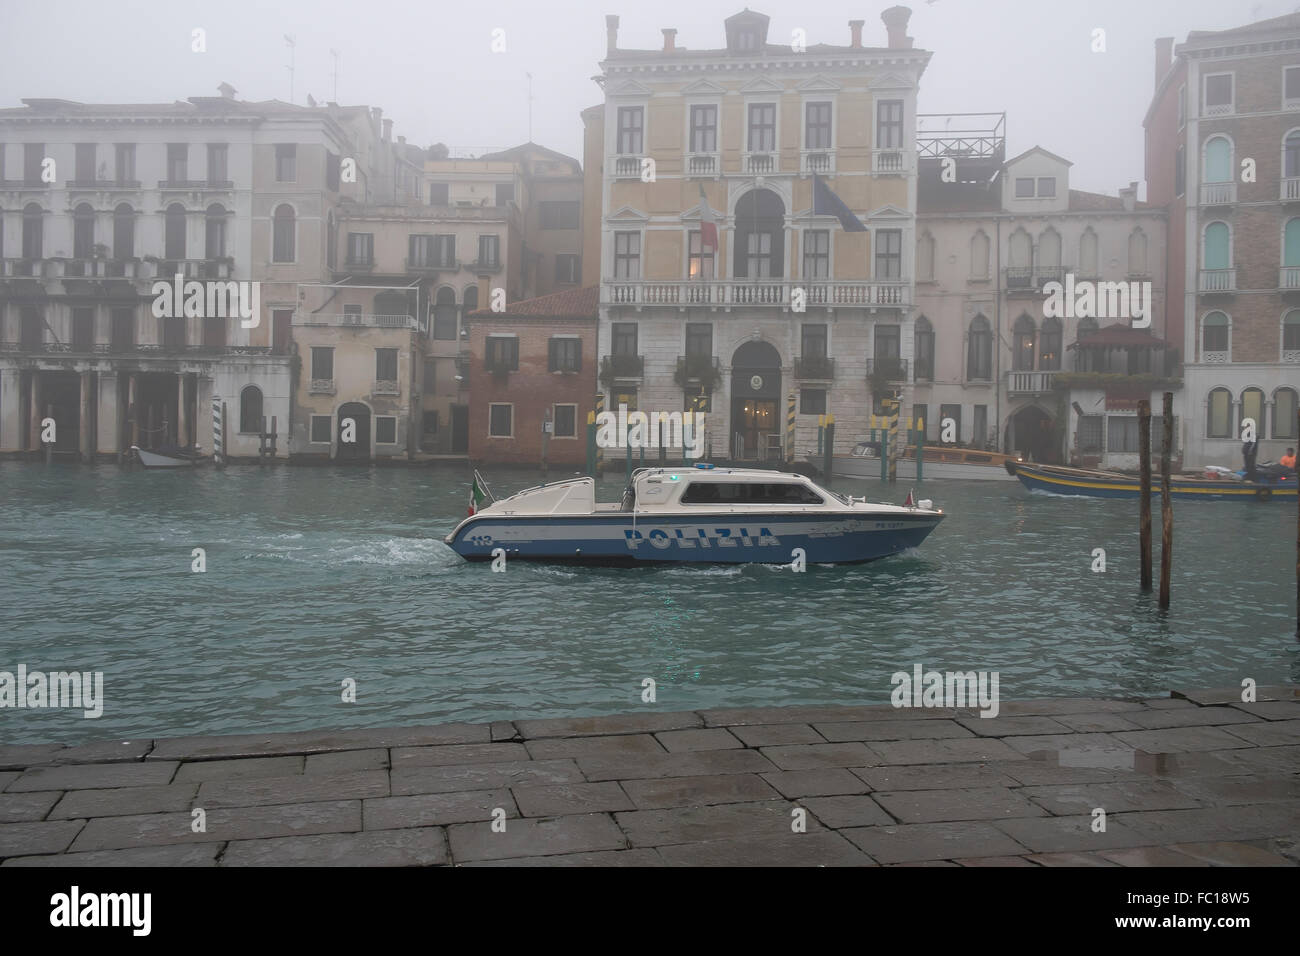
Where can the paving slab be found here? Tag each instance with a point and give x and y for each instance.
(454, 754)
(644, 766)
(767, 820)
(504, 730)
(775, 735)
(805, 849)
(647, 723)
(425, 846)
(1193, 717)
(345, 760)
(688, 741)
(1167, 703)
(405, 781)
(26, 807)
(1149, 856)
(942, 806)
(36, 837)
(315, 741)
(1035, 772)
(814, 756)
(1067, 743)
(1010, 726)
(1145, 793)
(932, 842)
(1069, 859)
(622, 745)
(973, 750)
(125, 801)
(22, 756)
(1183, 739)
(299, 788)
(1067, 834)
(203, 770)
(740, 716)
(238, 823)
(568, 799)
(893, 730)
(1230, 854)
(1279, 733)
(1242, 789)
(437, 809)
(1096, 723)
(7, 777)
(526, 838)
(830, 781)
(104, 751)
(1071, 705)
(934, 777)
(198, 854)
(1232, 695)
(994, 861)
(599, 858)
(702, 790)
(1272, 709)
(851, 810)
(95, 776)
(1212, 824)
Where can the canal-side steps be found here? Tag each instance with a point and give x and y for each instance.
(1194, 779)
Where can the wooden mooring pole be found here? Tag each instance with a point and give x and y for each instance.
(1144, 492)
(1166, 503)
(1297, 548)
(828, 451)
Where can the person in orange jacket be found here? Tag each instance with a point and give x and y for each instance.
(1288, 460)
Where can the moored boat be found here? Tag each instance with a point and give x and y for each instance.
(937, 461)
(1060, 480)
(692, 515)
(168, 457)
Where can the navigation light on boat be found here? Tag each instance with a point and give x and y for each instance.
(703, 465)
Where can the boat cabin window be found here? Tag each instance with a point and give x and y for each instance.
(745, 493)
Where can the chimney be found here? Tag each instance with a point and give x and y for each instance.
(611, 33)
(388, 131)
(227, 91)
(1129, 196)
(1164, 57)
(855, 33)
(896, 23)
(670, 40)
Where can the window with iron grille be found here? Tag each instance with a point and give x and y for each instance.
(1089, 434)
(817, 130)
(565, 355)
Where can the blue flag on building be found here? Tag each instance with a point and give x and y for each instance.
(826, 203)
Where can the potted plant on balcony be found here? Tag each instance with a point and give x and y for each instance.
(884, 373)
(697, 369)
(616, 367)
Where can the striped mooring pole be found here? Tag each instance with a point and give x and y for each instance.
(218, 451)
(892, 420)
(789, 429)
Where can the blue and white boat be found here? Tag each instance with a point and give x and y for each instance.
(702, 515)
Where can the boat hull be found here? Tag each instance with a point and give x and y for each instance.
(1065, 481)
(152, 459)
(847, 467)
(622, 538)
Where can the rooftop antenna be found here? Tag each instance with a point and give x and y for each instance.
(291, 43)
(334, 54)
(530, 106)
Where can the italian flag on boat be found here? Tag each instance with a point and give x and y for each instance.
(478, 493)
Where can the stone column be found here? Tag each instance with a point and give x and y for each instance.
(11, 405)
(108, 418)
(83, 425)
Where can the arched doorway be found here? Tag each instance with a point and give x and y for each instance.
(1032, 434)
(755, 399)
(358, 450)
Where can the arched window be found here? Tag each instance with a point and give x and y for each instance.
(33, 231)
(979, 354)
(1137, 253)
(284, 239)
(1291, 336)
(979, 255)
(923, 350)
(1218, 160)
(1291, 158)
(760, 235)
(471, 299)
(1284, 412)
(925, 258)
(444, 315)
(1049, 249)
(174, 232)
(1088, 254)
(1020, 260)
(123, 232)
(1049, 345)
(1214, 337)
(1218, 420)
(1291, 247)
(250, 409)
(1022, 349)
(83, 231)
(214, 232)
(1218, 246)
(1252, 407)
(1087, 326)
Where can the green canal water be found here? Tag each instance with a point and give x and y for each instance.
(319, 575)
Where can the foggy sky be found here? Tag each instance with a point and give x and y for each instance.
(429, 64)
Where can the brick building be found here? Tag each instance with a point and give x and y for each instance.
(531, 373)
(1223, 155)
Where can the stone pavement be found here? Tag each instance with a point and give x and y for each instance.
(1196, 779)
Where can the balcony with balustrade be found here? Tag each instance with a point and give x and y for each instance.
(1218, 194)
(626, 167)
(1023, 382)
(703, 164)
(1217, 280)
(1290, 189)
(1288, 278)
(819, 161)
(621, 368)
(729, 293)
(890, 162)
(354, 320)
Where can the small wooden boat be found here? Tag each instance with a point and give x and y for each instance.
(169, 457)
(1059, 480)
(937, 461)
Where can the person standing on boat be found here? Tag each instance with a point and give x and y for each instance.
(1248, 452)
(1288, 460)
